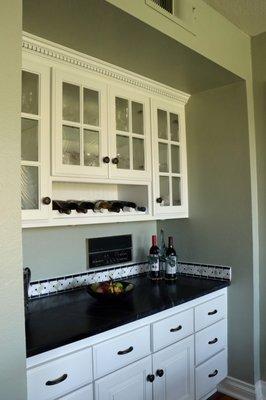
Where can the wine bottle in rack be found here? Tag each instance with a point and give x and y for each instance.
(61, 206)
(101, 206)
(84, 206)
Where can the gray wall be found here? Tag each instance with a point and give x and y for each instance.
(59, 251)
(219, 227)
(12, 343)
(259, 79)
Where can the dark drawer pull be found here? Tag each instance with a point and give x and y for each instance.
(212, 312)
(56, 381)
(122, 352)
(213, 374)
(178, 328)
(213, 341)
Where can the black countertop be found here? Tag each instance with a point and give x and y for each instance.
(61, 319)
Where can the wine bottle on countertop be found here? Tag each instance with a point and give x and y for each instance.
(154, 262)
(162, 253)
(171, 261)
(61, 206)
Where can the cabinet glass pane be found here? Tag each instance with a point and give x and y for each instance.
(122, 147)
(122, 114)
(138, 154)
(29, 188)
(29, 139)
(71, 102)
(176, 191)
(164, 190)
(90, 107)
(137, 118)
(163, 157)
(162, 124)
(175, 159)
(71, 145)
(29, 96)
(91, 148)
(174, 127)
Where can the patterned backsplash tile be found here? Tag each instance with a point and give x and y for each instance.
(71, 282)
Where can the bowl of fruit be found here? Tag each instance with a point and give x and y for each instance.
(110, 290)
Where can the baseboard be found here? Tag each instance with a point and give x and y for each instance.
(237, 389)
(261, 390)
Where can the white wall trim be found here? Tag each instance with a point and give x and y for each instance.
(260, 390)
(53, 51)
(237, 389)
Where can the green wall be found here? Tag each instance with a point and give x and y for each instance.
(12, 343)
(259, 81)
(51, 252)
(219, 227)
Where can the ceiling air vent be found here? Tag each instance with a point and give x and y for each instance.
(167, 5)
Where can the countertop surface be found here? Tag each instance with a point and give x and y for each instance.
(64, 318)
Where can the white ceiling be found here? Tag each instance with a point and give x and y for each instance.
(248, 15)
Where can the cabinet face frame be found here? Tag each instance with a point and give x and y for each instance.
(29, 64)
(170, 211)
(82, 81)
(137, 97)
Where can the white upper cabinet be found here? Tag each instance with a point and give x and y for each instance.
(169, 159)
(129, 134)
(35, 132)
(80, 142)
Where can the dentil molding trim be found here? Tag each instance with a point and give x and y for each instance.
(53, 51)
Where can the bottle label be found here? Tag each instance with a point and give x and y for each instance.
(171, 265)
(154, 263)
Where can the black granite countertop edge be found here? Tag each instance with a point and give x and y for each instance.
(99, 315)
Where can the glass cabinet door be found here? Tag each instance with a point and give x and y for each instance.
(169, 146)
(80, 141)
(130, 150)
(34, 136)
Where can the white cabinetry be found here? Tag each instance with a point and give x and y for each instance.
(35, 139)
(174, 371)
(125, 364)
(169, 159)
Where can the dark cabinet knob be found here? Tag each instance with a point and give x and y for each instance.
(115, 160)
(150, 378)
(159, 200)
(106, 160)
(46, 201)
(160, 372)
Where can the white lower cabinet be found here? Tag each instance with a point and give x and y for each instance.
(85, 393)
(129, 383)
(178, 354)
(174, 372)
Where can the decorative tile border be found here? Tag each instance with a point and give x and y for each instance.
(72, 282)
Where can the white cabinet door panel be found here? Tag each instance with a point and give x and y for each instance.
(129, 383)
(176, 363)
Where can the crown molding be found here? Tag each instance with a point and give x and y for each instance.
(52, 51)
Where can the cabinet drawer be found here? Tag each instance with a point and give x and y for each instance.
(56, 378)
(209, 374)
(210, 341)
(210, 312)
(172, 329)
(120, 351)
(85, 393)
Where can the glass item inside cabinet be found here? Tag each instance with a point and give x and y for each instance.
(138, 154)
(164, 190)
(29, 187)
(71, 102)
(90, 107)
(122, 114)
(122, 147)
(71, 145)
(29, 139)
(30, 93)
(91, 148)
(137, 118)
